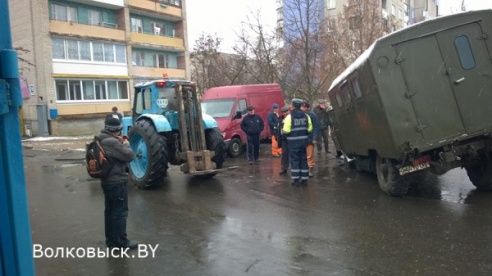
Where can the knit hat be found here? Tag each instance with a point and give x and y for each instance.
(113, 125)
(275, 106)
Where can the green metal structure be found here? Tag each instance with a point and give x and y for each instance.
(420, 100)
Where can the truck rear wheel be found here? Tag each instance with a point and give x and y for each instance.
(480, 174)
(149, 167)
(235, 147)
(215, 142)
(389, 179)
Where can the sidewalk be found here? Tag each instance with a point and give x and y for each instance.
(67, 148)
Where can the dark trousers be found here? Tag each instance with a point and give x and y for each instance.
(115, 213)
(323, 135)
(253, 147)
(298, 162)
(285, 156)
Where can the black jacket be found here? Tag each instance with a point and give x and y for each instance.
(252, 124)
(119, 154)
(323, 117)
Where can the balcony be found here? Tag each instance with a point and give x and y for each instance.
(156, 6)
(157, 72)
(172, 44)
(110, 4)
(82, 30)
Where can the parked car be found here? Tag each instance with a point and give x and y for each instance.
(227, 104)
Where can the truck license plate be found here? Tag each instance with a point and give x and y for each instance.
(409, 169)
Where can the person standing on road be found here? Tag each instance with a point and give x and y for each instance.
(297, 126)
(114, 186)
(312, 137)
(282, 138)
(252, 124)
(272, 123)
(324, 123)
(115, 114)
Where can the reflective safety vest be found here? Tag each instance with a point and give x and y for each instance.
(297, 126)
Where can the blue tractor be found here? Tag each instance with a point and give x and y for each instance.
(168, 127)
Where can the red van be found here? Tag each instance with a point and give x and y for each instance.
(227, 104)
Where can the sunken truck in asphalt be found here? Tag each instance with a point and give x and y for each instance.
(420, 100)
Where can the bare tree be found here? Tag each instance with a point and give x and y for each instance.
(259, 49)
(353, 31)
(204, 70)
(304, 53)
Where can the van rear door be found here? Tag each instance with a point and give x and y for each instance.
(469, 69)
(428, 88)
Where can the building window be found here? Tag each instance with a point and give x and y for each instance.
(137, 25)
(75, 90)
(90, 90)
(63, 13)
(138, 58)
(108, 52)
(160, 61)
(58, 48)
(465, 52)
(120, 52)
(153, 59)
(393, 10)
(331, 4)
(71, 49)
(354, 22)
(172, 2)
(94, 17)
(158, 28)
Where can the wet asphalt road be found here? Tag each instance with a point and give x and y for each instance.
(251, 221)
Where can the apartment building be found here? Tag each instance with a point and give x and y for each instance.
(82, 57)
(398, 13)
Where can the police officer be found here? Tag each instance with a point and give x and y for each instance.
(284, 162)
(297, 126)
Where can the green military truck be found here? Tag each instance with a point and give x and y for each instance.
(420, 100)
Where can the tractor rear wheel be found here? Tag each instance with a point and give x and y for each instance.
(149, 167)
(215, 142)
(389, 178)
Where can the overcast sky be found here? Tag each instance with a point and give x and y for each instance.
(224, 17)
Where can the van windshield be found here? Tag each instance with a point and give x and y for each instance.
(218, 108)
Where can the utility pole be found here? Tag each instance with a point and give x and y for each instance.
(463, 6)
(16, 255)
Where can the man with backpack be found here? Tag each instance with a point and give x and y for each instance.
(114, 184)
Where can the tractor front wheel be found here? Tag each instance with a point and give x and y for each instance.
(215, 143)
(149, 166)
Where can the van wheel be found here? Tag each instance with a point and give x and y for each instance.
(235, 147)
(480, 173)
(389, 179)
